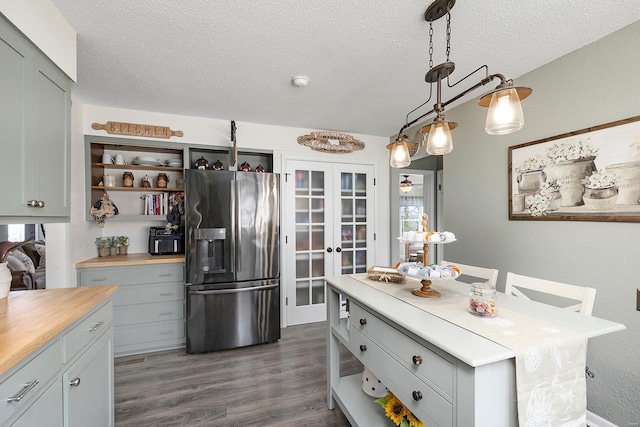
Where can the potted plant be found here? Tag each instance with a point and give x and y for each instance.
(571, 162)
(123, 242)
(103, 246)
(600, 190)
(113, 245)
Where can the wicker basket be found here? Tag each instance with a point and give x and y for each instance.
(384, 274)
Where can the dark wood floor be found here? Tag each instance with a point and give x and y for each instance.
(278, 384)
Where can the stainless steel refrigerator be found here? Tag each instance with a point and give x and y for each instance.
(232, 256)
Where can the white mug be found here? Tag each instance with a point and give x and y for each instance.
(107, 159)
(119, 159)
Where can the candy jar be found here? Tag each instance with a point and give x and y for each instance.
(259, 168)
(218, 166)
(127, 179)
(482, 300)
(245, 167)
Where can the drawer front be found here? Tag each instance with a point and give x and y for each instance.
(144, 294)
(41, 368)
(134, 275)
(46, 411)
(427, 365)
(422, 400)
(87, 330)
(149, 333)
(139, 314)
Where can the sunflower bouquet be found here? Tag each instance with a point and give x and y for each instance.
(397, 412)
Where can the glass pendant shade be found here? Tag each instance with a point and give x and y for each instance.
(439, 141)
(399, 155)
(505, 113)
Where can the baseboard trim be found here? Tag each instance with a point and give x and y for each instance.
(594, 420)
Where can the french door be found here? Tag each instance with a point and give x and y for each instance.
(328, 226)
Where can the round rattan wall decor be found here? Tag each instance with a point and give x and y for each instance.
(331, 142)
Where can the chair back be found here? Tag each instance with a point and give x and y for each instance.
(584, 295)
(490, 275)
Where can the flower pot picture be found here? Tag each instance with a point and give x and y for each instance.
(590, 174)
(570, 175)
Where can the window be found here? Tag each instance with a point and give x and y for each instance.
(411, 209)
(21, 232)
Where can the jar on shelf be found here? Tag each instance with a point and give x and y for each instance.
(483, 300)
(127, 179)
(162, 180)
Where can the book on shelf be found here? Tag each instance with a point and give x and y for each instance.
(160, 204)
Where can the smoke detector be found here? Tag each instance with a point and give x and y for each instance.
(300, 81)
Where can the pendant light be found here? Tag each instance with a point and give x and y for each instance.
(406, 185)
(399, 152)
(505, 112)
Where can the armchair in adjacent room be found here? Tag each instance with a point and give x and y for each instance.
(28, 266)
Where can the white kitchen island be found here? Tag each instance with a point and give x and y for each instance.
(445, 374)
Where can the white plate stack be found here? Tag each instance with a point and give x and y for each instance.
(149, 161)
(174, 163)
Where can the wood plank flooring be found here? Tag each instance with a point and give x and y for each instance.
(277, 384)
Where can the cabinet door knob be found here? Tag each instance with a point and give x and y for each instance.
(417, 395)
(417, 360)
(41, 203)
(76, 383)
(329, 250)
(363, 347)
(32, 203)
(338, 250)
(363, 322)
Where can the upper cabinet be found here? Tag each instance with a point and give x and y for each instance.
(34, 130)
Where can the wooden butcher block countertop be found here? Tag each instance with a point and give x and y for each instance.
(28, 319)
(130, 259)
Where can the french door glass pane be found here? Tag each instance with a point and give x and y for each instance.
(310, 237)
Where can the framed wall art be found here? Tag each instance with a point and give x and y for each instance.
(591, 174)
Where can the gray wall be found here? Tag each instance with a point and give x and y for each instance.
(597, 84)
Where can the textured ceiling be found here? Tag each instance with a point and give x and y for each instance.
(366, 60)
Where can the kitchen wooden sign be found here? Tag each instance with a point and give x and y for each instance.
(136, 129)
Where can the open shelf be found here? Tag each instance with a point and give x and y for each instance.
(359, 408)
(148, 189)
(138, 167)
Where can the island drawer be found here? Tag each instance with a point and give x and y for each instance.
(132, 275)
(145, 294)
(42, 368)
(89, 329)
(428, 405)
(136, 315)
(415, 357)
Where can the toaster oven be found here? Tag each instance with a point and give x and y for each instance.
(164, 241)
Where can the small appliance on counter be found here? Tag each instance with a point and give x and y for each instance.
(166, 241)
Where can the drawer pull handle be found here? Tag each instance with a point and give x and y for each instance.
(165, 313)
(166, 332)
(75, 382)
(101, 279)
(417, 360)
(363, 322)
(165, 274)
(96, 326)
(417, 395)
(166, 294)
(363, 347)
(27, 388)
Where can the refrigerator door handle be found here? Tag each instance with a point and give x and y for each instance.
(239, 227)
(235, 290)
(232, 192)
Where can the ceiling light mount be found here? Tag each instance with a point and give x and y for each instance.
(504, 115)
(406, 185)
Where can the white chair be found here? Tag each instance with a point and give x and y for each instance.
(584, 296)
(490, 275)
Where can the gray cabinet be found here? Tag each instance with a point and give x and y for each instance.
(148, 305)
(34, 124)
(68, 381)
